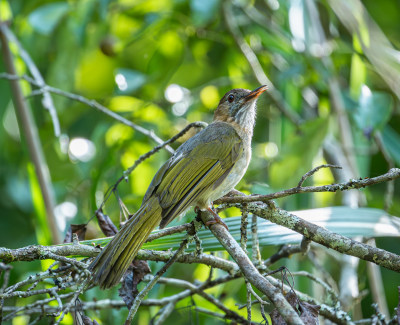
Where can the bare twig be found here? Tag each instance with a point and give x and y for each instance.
(287, 251)
(392, 174)
(47, 100)
(89, 102)
(313, 171)
(31, 253)
(78, 291)
(255, 254)
(326, 286)
(243, 230)
(136, 303)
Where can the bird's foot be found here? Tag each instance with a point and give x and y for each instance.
(217, 219)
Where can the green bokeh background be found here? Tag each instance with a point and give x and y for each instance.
(82, 46)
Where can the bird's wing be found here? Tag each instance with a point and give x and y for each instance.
(199, 167)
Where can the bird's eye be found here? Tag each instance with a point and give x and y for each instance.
(231, 98)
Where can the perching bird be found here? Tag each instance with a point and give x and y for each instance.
(203, 169)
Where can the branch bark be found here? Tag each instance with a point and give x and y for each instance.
(250, 271)
(325, 237)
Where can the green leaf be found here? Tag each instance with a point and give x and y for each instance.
(45, 18)
(298, 154)
(373, 111)
(391, 140)
(349, 222)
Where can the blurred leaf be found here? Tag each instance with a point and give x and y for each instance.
(43, 233)
(125, 103)
(358, 75)
(118, 134)
(373, 111)
(391, 140)
(382, 55)
(92, 81)
(298, 153)
(45, 18)
(5, 11)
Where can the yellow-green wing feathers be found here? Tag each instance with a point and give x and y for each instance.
(197, 168)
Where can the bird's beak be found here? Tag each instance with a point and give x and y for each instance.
(255, 93)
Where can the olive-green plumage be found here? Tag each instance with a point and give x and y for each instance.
(203, 169)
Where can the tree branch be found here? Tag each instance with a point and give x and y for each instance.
(325, 237)
(250, 271)
(392, 174)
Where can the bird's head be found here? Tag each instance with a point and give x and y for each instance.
(239, 106)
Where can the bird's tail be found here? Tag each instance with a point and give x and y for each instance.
(113, 261)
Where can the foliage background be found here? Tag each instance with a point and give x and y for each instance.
(125, 54)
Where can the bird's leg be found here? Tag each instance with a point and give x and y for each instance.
(217, 219)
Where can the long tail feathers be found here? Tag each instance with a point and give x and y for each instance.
(111, 264)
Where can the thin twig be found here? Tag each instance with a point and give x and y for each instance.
(47, 100)
(78, 291)
(287, 251)
(136, 303)
(89, 102)
(392, 174)
(325, 285)
(243, 230)
(255, 245)
(313, 171)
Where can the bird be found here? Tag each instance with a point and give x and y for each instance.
(203, 169)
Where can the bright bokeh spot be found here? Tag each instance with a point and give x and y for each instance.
(365, 91)
(174, 93)
(64, 212)
(296, 23)
(81, 149)
(180, 108)
(271, 150)
(121, 82)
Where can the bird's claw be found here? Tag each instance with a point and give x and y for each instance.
(217, 219)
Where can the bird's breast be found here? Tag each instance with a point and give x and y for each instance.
(237, 172)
